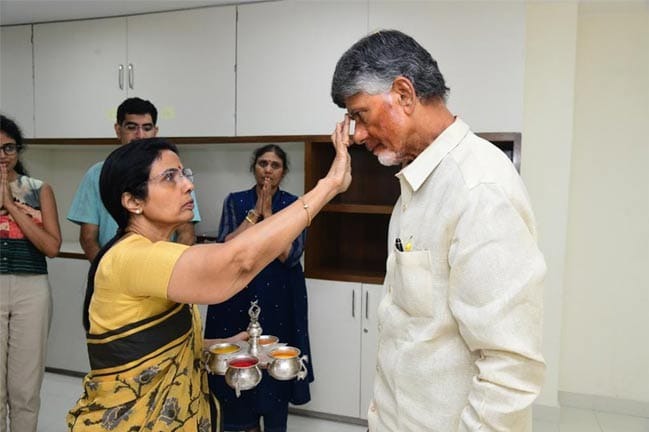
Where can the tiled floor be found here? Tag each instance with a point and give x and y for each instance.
(59, 393)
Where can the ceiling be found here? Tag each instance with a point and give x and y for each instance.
(37, 11)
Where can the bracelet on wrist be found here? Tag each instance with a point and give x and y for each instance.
(252, 216)
(305, 206)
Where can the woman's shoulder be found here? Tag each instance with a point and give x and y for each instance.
(138, 248)
(286, 197)
(243, 195)
(29, 182)
(287, 194)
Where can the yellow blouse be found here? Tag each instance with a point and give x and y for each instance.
(131, 282)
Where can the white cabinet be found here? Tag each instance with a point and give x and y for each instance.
(343, 334)
(77, 77)
(66, 347)
(16, 79)
(287, 52)
(371, 296)
(182, 61)
(335, 336)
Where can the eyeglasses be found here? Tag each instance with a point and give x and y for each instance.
(273, 164)
(173, 176)
(133, 127)
(9, 148)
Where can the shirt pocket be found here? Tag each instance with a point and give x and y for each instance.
(417, 285)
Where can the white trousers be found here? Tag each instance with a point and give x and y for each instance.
(25, 316)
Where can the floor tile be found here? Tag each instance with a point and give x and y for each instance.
(545, 426)
(304, 424)
(578, 420)
(620, 423)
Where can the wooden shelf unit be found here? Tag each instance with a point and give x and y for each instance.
(347, 241)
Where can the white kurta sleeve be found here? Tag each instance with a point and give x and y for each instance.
(495, 295)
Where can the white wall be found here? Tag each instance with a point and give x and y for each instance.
(605, 342)
(479, 47)
(546, 154)
(63, 168)
(585, 162)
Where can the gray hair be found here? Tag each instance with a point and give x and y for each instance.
(371, 65)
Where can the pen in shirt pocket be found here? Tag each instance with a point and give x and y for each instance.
(399, 245)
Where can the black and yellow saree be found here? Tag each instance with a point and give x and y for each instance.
(148, 376)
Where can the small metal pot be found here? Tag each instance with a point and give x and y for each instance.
(216, 357)
(287, 364)
(267, 340)
(243, 373)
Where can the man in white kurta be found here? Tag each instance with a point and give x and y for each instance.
(461, 323)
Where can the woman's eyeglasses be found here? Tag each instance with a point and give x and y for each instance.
(173, 175)
(262, 163)
(9, 149)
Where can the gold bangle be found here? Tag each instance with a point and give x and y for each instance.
(252, 216)
(305, 206)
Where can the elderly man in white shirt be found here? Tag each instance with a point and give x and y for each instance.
(460, 326)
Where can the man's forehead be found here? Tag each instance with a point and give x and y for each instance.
(359, 101)
(352, 100)
(138, 118)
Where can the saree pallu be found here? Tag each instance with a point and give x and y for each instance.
(148, 376)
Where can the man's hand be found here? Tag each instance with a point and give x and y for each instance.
(89, 240)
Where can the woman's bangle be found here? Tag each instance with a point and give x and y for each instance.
(252, 216)
(305, 206)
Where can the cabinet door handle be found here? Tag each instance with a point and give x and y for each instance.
(353, 304)
(120, 76)
(367, 305)
(131, 76)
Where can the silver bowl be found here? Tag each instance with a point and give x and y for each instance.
(216, 357)
(266, 341)
(243, 373)
(286, 364)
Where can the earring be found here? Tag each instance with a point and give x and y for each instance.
(138, 211)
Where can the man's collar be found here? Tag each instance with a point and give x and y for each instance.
(417, 171)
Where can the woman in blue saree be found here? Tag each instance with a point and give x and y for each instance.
(280, 291)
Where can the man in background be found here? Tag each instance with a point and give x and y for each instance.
(136, 119)
(460, 326)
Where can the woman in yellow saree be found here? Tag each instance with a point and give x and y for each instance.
(147, 375)
(143, 330)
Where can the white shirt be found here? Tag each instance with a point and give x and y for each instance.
(460, 326)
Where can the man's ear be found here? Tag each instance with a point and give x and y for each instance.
(132, 204)
(118, 131)
(405, 93)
